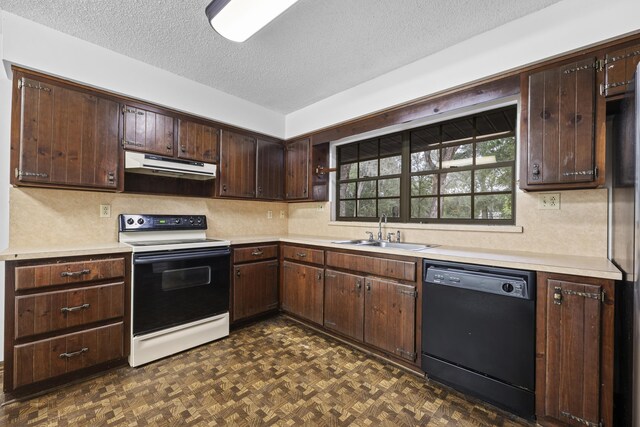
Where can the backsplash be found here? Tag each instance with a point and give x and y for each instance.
(47, 217)
(578, 228)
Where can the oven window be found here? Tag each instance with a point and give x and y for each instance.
(182, 278)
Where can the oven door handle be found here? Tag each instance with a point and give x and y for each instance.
(182, 256)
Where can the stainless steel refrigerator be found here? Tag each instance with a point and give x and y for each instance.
(624, 185)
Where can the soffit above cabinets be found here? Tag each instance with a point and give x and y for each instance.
(313, 50)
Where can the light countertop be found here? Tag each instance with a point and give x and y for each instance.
(552, 263)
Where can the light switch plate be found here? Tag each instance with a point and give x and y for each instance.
(281, 214)
(269, 214)
(549, 201)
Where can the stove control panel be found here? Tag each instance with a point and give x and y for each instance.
(161, 222)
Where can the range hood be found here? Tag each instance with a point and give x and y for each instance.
(152, 164)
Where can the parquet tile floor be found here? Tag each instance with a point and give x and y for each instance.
(275, 372)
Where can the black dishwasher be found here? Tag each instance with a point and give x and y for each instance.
(478, 332)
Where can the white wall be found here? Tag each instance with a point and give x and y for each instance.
(565, 26)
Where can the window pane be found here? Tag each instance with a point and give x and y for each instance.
(390, 207)
(460, 129)
(369, 168)
(389, 187)
(348, 153)
(458, 156)
(348, 208)
(496, 122)
(492, 180)
(496, 150)
(425, 161)
(368, 149)
(348, 191)
(367, 208)
(391, 145)
(424, 207)
(424, 185)
(349, 171)
(421, 139)
(366, 189)
(494, 206)
(391, 165)
(455, 182)
(456, 207)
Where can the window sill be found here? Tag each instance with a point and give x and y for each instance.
(446, 227)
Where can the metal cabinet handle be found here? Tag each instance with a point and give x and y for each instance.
(536, 171)
(319, 276)
(368, 286)
(75, 273)
(183, 149)
(358, 285)
(73, 353)
(169, 147)
(257, 252)
(238, 272)
(301, 254)
(76, 308)
(111, 177)
(224, 187)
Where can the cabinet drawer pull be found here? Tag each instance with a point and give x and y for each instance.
(76, 308)
(73, 353)
(301, 254)
(75, 273)
(257, 252)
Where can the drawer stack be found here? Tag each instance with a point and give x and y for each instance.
(65, 318)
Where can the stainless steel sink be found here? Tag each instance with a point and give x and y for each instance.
(385, 244)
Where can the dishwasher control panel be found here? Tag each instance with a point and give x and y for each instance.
(506, 285)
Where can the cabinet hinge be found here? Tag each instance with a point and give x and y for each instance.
(22, 82)
(413, 293)
(581, 420)
(558, 292)
(406, 354)
(599, 64)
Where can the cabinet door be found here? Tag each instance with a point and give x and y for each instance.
(67, 137)
(147, 131)
(302, 291)
(297, 166)
(559, 126)
(255, 288)
(197, 142)
(574, 372)
(270, 182)
(619, 68)
(389, 313)
(237, 165)
(344, 303)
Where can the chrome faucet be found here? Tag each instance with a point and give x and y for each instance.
(380, 226)
(370, 235)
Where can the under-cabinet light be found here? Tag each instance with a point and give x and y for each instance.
(237, 20)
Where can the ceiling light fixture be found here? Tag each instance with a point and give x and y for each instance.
(237, 20)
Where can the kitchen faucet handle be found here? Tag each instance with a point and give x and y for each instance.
(398, 236)
(389, 234)
(370, 235)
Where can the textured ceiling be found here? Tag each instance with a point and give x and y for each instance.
(315, 49)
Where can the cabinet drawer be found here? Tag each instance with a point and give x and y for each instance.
(52, 311)
(313, 256)
(53, 357)
(255, 253)
(41, 276)
(395, 269)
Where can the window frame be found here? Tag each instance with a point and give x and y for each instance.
(406, 173)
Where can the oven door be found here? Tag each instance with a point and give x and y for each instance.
(172, 288)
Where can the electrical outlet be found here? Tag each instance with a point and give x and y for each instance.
(269, 214)
(105, 211)
(549, 201)
(281, 214)
(320, 208)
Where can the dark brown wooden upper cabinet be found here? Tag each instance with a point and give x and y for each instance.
(562, 128)
(237, 176)
(298, 162)
(270, 175)
(619, 67)
(63, 136)
(198, 142)
(147, 131)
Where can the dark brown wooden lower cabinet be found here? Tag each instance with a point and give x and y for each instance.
(41, 360)
(344, 303)
(389, 317)
(255, 288)
(303, 291)
(574, 346)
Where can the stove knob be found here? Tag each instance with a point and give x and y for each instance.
(191, 221)
(199, 221)
(140, 221)
(130, 221)
(177, 221)
(507, 287)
